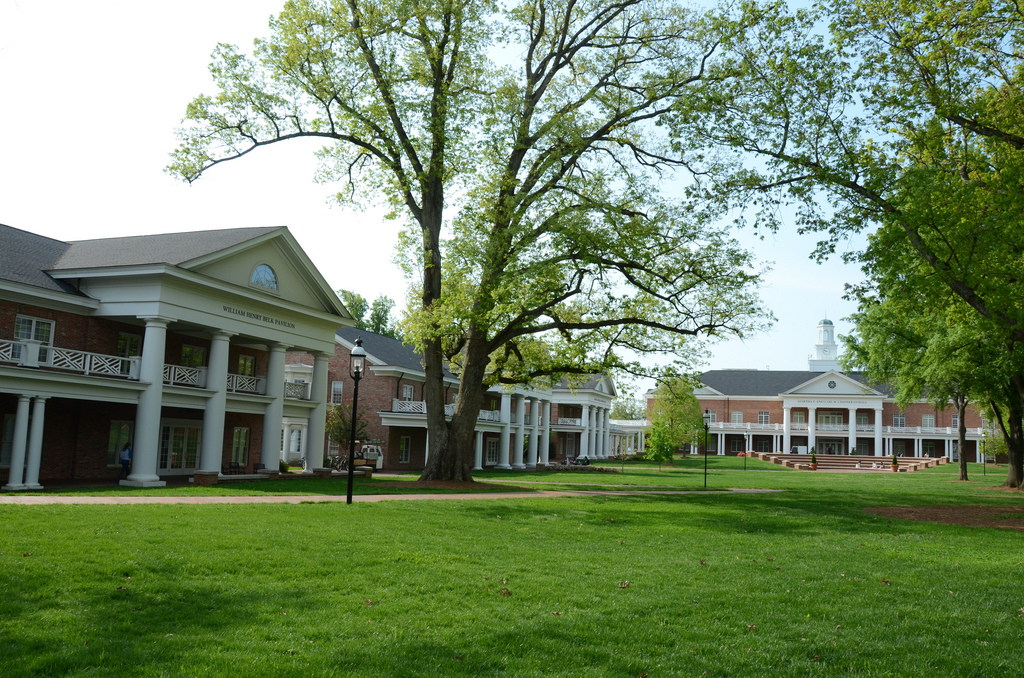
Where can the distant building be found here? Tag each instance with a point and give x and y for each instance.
(518, 426)
(825, 409)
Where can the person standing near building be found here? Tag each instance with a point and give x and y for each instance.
(126, 462)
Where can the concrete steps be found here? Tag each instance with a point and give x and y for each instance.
(851, 463)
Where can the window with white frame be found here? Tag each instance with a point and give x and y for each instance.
(862, 447)
(712, 416)
(264, 276)
(404, 449)
(240, 445)
(928, 448)
(337, 390)
(492, 451)
(762, 417)
(408, 392)
(928, 421)
(27, 327)
(764, 445)
(737, 417)
(799, 418)
(862, 419)
(737, 444)
(712, 444)
(899, 447)
(247, 365)
(954, 421)
(120, 433)
(193, 356)
(899, 420)
(128, 346)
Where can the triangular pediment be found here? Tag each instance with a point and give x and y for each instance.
(297, 281)
(832, 383)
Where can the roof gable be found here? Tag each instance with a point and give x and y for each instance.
(832, 383)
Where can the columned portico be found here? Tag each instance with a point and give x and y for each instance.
(517, 446)
(585, 434)
(812, 421)
(545, 441)
(16, 479)
(35, 444)
(211, 448)
(316, 434)
(147, 414)
(506, 429)
(478, 452)
(852, 430)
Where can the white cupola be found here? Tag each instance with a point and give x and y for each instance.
(826, 351)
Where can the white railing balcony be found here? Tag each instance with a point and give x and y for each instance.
(798, 427)
(489, 415)
(865, 428)
(831, 427)
(179, 375)
(241, 383)
(409, 406)
(449, 409)
(300, 390)
(570, 421)
(33, 353)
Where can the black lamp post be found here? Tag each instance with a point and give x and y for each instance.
(707, 424)
(356, 365)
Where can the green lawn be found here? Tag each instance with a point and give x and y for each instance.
(800, 582)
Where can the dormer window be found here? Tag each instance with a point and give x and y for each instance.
(264, 276)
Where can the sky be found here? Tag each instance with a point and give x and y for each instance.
(91, 95)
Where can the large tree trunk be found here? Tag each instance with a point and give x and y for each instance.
(1013, 431)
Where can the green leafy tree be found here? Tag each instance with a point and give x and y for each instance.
(356, 305)
(675, 418)
(629, 407)
(339, 426)
(898, 113)
(380, 320)
(537, 234)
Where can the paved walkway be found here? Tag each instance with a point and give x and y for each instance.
(43, 499)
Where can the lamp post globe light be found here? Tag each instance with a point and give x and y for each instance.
(356, 367)
(707, 425)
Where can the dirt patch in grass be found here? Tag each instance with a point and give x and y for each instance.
(471, 486)
(1006, 517)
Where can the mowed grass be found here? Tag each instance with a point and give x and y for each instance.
(800, 582)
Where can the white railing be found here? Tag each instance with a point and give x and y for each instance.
(179, 375)
(570, 421)
(489, 415)
(27, 353)
(409, 406)
(745, 426)
(298, 390)
(865, 428)
(831, 427)
(241, 383)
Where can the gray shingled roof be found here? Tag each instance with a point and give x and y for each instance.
(165, 248)
(390, 351)
(24, 258)
(767, 383)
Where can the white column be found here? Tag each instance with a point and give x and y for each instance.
(15, 480)
(211, 449)
(147, 413)
(273, 412)
(721, 444)
(606, 434)
(314, 436)
(534, 433)
(853, 430)
(545, 436)
(585, 434)
(35, 444)
(506, 428)
(878, 433)
(592, 433)
(478, 452)
(787, 430)
(304, 439)
(517, 445)
(811, 421)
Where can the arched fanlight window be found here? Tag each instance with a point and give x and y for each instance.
(264, 276)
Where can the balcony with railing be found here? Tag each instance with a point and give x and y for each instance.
(570, 421)
(420, 407)
(32, 353)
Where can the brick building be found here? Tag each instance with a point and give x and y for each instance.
(518, 427)
(174, 343)
(824, 408)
